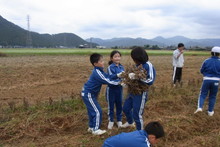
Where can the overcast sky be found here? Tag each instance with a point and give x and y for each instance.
(117, 18)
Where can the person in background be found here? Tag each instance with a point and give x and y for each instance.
(178, 62)
(211, 76)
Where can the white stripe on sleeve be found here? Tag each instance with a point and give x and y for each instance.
(106, 79)
(109, 70)
(151, 73)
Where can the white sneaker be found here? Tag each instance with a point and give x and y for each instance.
(119, 123)
(198, 110)
(99, 132)
(125, 125)
(211, 113)
(110, 125)
(90, 130)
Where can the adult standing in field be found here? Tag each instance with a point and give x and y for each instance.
(178, 62)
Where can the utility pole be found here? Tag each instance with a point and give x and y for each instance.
(29, 40)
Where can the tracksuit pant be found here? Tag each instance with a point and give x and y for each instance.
(177, 74)
(134, 108)
(94, 110)
(114, 97)
(208, 87)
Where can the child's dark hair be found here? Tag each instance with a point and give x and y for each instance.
(112, 54)
(94, 58)
(155, 128)
(180, 45)
(215, 54)
(138, 54)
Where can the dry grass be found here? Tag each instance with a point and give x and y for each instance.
(135, 86)
(63, 121)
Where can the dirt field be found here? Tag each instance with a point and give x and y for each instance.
(40, 78)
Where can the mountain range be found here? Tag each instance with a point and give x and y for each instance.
(13, 35)
(160, 41)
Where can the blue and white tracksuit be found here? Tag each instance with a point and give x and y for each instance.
(90, 93)
(137, 138)
(114, 93)
(134, 104)
(211, 76)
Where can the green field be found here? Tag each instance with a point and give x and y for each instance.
(53, 51)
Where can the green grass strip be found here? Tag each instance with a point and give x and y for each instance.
(54, 51)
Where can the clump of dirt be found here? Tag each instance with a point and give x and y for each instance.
(136, 86)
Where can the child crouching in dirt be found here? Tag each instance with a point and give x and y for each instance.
(114, 93)
(134, 105)
(211, 72)
(90, 93)
(139, 138)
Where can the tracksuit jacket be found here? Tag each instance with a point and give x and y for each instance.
(137, 138)
(114, 93)
(211, 76)
(134, 105)
(90, 93)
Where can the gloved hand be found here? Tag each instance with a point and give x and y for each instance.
(123, 84)
(119, 74)
(131, 76)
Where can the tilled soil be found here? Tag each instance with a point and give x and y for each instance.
(38, 78)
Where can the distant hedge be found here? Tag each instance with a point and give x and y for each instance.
(3, 55)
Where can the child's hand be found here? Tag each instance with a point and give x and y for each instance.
(131, 76)
(119, 74)
(123, 84)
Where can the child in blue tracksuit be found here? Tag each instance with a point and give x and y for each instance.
(114, 93)
(90, 93)
(211, 72)
(134, 104)
(140, 138)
